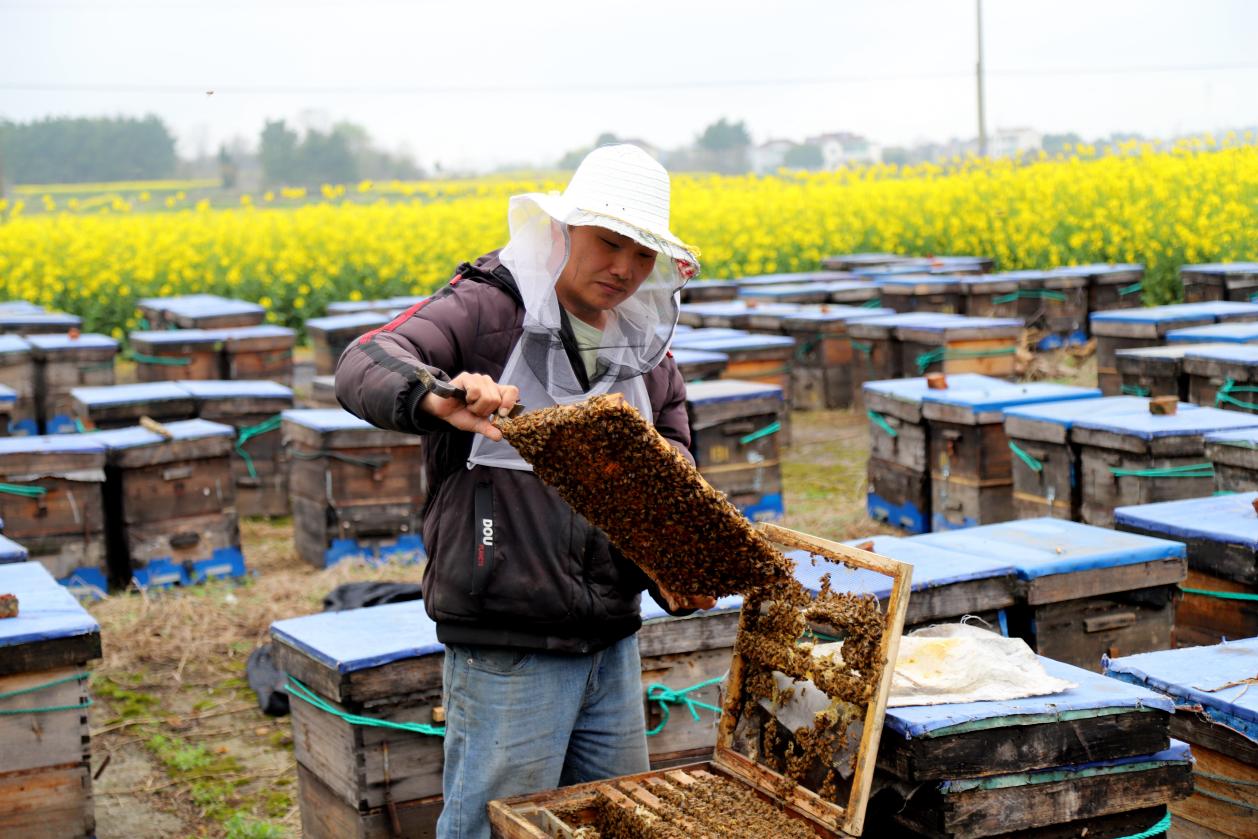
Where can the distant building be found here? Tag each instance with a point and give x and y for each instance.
(844, 149)
(769, 156)
(1014, 142)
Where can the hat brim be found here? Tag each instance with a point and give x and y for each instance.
(565, 211)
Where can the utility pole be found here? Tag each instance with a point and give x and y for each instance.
(982, 100)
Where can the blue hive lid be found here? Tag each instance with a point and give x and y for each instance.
(913, 390)
(729, 390)
(1229, 519)
(706, 334)
(1013, 275)
(237, 389)
(118, 439)
(1233, 332)
(129, 394)
(9, 306)
(176, 336)
(897, 280)
(13, 343)
(914, 319)
(970, 282)
(1094, 693)
(688, 356)
(50, 444)
(966, 322)
(783, 290)
(358, 319)
(326, 419)
(1005, 395)
(878, 273)
(1147, 426)
(933, 566)
(1223, 268)
(1067, 413)
(833, 313)
(85, 341)
(1246, 354)
(7, 394)
(46, 609)
(772, 309)
(40, 319)
(241, 333)
(1045, 546)
(729, 343)
(1218, 679)
(1243, 437)
(180, 299)
(357, 639)
(346, 307)
(1206, 310)
(712, 284)
(11, 551)
(1097, 269)
(794, 277)
(210, 306)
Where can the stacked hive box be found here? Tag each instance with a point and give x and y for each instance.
(1092, 760)
(854, 293)
(38, 323)
(207, 311)
(898, 467)
(1219, 281)
(1224, 376)
(703, 291)
(330, 336)
(1234, 455)
(991, 296)
(45, 765)
(1141, 457)
(1237, 332)
(755, 358)
(700, 365)
(256, 352)
(1221, 593)
(1086, 592)
(922, 293)
(854, 261)
(52, 504)
(697, 314)
(766, 318)
(11, 551)
(821, 374)
(171, 503)
(1155, 371)
(122, 406)
(17, 371)
(966, 345)
(735, 430)
(175, 355)
(323, 392)
(1046, 464)
(253, 408)
(1057, 304)
(1109, 286)
(971, 470)
(62, 363)
(355, 490)
(8, 399)
(878, 354)
(1217, 714)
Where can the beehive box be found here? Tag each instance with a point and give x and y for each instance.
(1045, 462)
(1223, 376)
(970, 462)
(1086, 592)
(11, 551)
(857, 292)
(765, 318)
(1217, 713)
(1155, 371)
(1056, 304)
(878, 355)
(17, 371)
(735, 430)
(1141, 457)
(330, 336)
(821, 375)
(712, 314)
(323, 392)
(966, 345)
(256, 352)
(1219, 281)
(754, 358)
(121, 406)
(53, 503)
(62, 363)
(1234, 455)
(8, 399)
(38, 323)
(702, 291)
(1221, 533)
(253, 409)
(171, 504)
(922, 293)
(1092, 760)
(797, 292)
(45, 761)
(854, 261)
(754, 734)
(991, 296)
(154, 311)
(1130, 328)
(698, 365)
(210, 312)
(356, 490)
(353, 307)
(176, 355)
(898, 473)
(1116, 286)
(1236, 332)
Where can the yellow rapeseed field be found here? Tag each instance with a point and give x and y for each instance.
(1195, 203)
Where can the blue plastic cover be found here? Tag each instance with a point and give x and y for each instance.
(1246, 354)
(918, 279)
(1178, 752)
(237, 389)
(19, 306)
(134, 437)
(11, 551)
(782, 290)
(734, 343)
(1094, 693)
(39, 319)
(241, 333)
(1211, 309)
(1232, 332)
(7, 394)
(46, 610)
(357, 639)
(50, 443)
(1046, 546)
(335, 322)
(834, 313)
(326, 419)
(653, 611)
(688, 356)
(1219, 518)
(1147, 426)
(1223, 268)
(1006, 395)
(176, 336)
(796, 277)
(1066, 413)
(1244, 437)
(967, 322)
(13, 343)
(913, 390)
(163, 303)
(85, 341)
(1219, 679)
(129, 394)
(209, 306)
(914, 319)
(705, 334)
(729, 390)
(716, 307)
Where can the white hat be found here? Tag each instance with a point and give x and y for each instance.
(621, 188)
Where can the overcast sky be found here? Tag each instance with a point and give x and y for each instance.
(485, 83)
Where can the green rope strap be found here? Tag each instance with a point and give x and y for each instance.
(79, 426)
(1157, 830)
(872, 303)
(1190, 470)
(948, 354)
(1035, 465)
(1240, 782)
(1134, 390)
(1221, 595)
(819, 636)
(12, 712)
(1227, 800)
(1030, 294)
(305, 694)
(665, 696)
(247, 433)
(803, 348)
(1134, 288)
(23, 490)
(1224, 395)
(881, 422)
(863, 348)
(772, 428)
(167, 360)
(344, 458)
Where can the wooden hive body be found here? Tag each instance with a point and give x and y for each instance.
(821, 374)
(876, 346)
(922, 293)
(1108, 286)
(38, 323)
(355, 490)
(323, 392)
(703, 291)
(723, 414)
(1154, 371)
(854, 292)
(1057, 304)
(755, 358)
(54, 506)
(1234, 455)
(210, 312)
(256, 353)
(1085, 591)
(176, 355)
(1219, 281)
(62, 363)
(331, 335)
(121, 406)
(1222, 375)
(967, 345)
(45, 765)
(17, 371)
(991, 296)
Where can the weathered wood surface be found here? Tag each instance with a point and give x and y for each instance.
(683, 734)
(1213, 557)
(67, 508)
(899, 487)
(39, 741)
(977, 452)
(905, 299)
(316, 522)
(17, 371)
(183, 539)
(124, 415)
(1197, 729)
(59, 372)
(907, 447)
(51, 654)
(50, 803)
(962, 502)
(1207, 619)
(326, 816)
(1207, 806)
(1052, 490)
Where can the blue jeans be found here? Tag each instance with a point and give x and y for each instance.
(521, 721)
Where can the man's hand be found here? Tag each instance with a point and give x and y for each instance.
(678, 602)
(485, 399)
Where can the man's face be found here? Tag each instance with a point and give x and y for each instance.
(604, 269)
